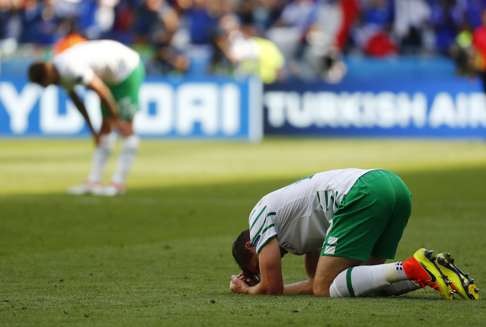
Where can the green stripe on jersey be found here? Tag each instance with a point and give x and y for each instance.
(258, 233)
(257, 217)
(269, 226)
(260, 230)
(266, 242)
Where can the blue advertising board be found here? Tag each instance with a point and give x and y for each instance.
(387, 98)
(394, 105)
(196, 108)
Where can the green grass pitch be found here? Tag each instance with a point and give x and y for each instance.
(160, 255)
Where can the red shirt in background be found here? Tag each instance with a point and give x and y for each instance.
(479, 43)
(350, 12)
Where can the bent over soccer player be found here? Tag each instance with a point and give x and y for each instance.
(115, 73)
(346, 223)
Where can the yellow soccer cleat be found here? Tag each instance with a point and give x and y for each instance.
(461, 282)
(421, 268)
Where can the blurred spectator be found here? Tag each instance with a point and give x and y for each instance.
(97, 17)
(450, 18)
(374, 35)
(251, 55)
(308, 33)
(290, 29)
(298, 14)
(202, 17)
(181, 35)
(479, 44)
(322, 51)
(462, 52)
(200, 30)
(350, 13)
(40, 24)
(266, 13)
(410, 24)
(471, 11)
(123, 25)
(156, 23)
(10, 26)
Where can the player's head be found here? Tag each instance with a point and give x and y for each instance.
(42, 73)
(245, 254)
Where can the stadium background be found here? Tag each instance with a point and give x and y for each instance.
(381, 68)
(405, 70)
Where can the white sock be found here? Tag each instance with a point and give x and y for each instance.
(125, 161)
(100, 157)
(362, 280)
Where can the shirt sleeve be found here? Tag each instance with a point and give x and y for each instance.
(262, 226)
(72, 72)
(244, 50)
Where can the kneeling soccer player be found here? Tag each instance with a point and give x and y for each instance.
(115, 73)
(346, 223)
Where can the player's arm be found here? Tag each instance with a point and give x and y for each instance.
(102, 90)
(79, 104)
(271, 280)
(305, 286)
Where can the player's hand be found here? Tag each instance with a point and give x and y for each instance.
(237, 285)
(123, 127)
(241, 276)
(96, 138)
(249, 279)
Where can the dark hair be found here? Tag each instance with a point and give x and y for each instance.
(241, 254)
(37, 72)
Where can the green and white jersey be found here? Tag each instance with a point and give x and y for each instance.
(111, 61)
(300, 214)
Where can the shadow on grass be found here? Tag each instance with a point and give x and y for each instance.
(30, 222)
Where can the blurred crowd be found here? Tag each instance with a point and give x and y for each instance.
(276, 37)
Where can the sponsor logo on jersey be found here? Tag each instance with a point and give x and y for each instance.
(329, 250)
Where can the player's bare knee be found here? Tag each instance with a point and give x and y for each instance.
(320, 289)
